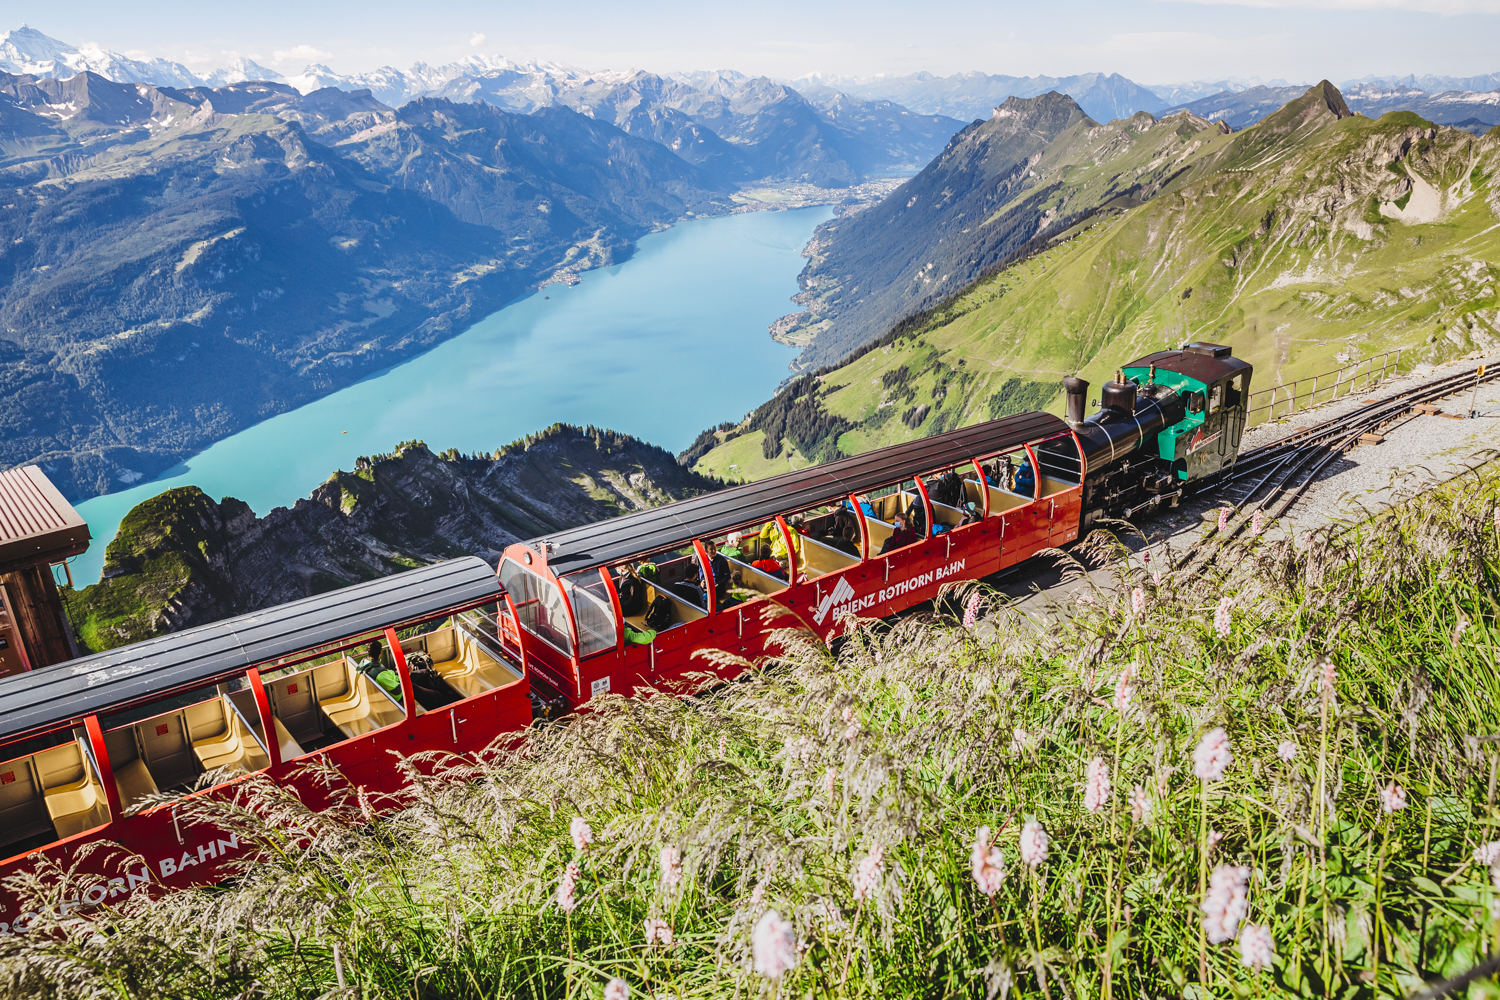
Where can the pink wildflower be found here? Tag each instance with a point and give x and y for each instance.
(851, 723)
(1287, 750)
(830, 783)
(1034, 843)
(1140, 806)
(1213, 755)
(1393, 798)
(671, 868)
(581, 832)
(723, 746)
(1327, 676)
(987, 863)
(1224, 904)
(1125, 689)
(1146, 556)
(1096, 785)
(1223, 616)
(1224, 513)
(364, 805)
(1257, 522)
(1257, 948)
(1487, 854)
(758, 896)
(1214, 836)
(971, 611)
(617, 989)
(867, 875)
(1019, 740)
(566, 900)
(1458, 630)
(1138, 601)
(1156, 578)
(1085, 598)
(658, 931)
(774, 943)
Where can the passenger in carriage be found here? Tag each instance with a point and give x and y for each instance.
(949, 489)
(378, 671)
(1025, 479)
(902, 536)
(722, 578)
(972, 514)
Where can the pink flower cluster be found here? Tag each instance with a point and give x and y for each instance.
(1225, 902)
(617, 989)
(971, 611)
(987, 863)
(1125, 689)
(581, 832)
(658, 932)
(1224, 513)
(1213, 756)
(671, 868)
(1223, 616)
(1286, 750)
(1393, 798)
(774, 945)
(1140, 806)
(1257, 947)
(867, 875)
(1096, 785)
(1257, 522)
(1034, 843)
(1138, 602)
(566, 900)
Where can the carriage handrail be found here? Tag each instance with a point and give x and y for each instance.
(1367, 372)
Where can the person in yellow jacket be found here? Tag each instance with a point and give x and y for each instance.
(770, 533)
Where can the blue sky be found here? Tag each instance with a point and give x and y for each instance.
(1147, 40)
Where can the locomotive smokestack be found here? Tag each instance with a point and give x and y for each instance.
(1077, 390)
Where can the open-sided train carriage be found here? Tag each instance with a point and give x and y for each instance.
(88, 745)
(621, 604)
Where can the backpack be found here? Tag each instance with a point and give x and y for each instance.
(659, 614)
(632, 591)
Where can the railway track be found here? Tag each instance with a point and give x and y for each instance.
(1275, 476)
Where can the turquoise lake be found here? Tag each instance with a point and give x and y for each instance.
(662, 346)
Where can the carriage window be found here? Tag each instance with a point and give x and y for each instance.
(539, 605)
(1195, 402)
(594, 612)
(1215, 397)
(49, 794)
(317, 703)
(658, 593)
(171, 744)
(1233, 391)
(754, 571)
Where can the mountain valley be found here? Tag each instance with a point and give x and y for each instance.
(1314, 234)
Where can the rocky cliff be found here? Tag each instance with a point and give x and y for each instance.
(181, 559)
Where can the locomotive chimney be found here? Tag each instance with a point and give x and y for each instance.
(1077, 390)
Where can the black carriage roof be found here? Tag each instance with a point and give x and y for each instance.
(675, 524)
(1205, 362)
(136, 674)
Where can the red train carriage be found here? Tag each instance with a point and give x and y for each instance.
(87, 742)
(622, 604)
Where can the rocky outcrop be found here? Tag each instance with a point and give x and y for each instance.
(182, 559)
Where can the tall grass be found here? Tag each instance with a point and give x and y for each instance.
(845, 790)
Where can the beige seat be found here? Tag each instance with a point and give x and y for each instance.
(74, 799)
(221, 738)
(133, 780)
(359, 708)
(473, 671)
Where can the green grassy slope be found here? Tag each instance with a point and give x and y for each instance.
(1307, 235)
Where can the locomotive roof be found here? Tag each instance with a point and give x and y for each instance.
(1203, 367)
(137, 674)
(676, 524)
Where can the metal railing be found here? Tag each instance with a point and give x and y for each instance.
(1359, 376)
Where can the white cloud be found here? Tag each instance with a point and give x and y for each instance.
(1444, 7)
(477, 38)
(300, 54)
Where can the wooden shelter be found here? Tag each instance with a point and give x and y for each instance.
(38, 529)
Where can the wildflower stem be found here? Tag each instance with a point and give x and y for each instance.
(1322, 818)
(1036, 929)
(1109, 873)
(853, 936)
(1203, 884)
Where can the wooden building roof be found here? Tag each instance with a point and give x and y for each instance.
(36, 524)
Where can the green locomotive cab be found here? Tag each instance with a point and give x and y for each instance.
(1167, 422)
(1215, 386)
